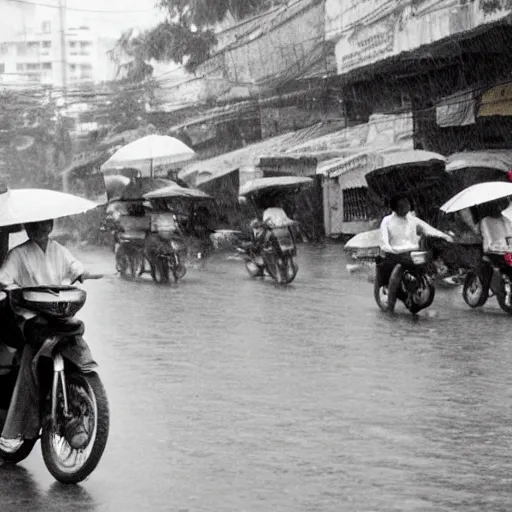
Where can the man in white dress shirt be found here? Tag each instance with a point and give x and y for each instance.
(37, 262)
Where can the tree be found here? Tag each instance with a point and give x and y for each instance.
(186, 36)
(490, 6)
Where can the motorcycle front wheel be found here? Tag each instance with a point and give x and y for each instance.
(380, 293)
(475, 292)
(88, 404)
(423, 298)
(160, 271)
(122, 261)
(501, 295)
(253, 269)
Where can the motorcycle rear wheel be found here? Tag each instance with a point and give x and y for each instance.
(58, 454)
(288, 269)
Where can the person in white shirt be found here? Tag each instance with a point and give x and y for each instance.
(401, 233)
(37, 262)
(496, 229)
(275, 217)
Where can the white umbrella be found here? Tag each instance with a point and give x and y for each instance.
(478, 194)
(365, 240)
(177, 191)
(20, 206)
(150, 151)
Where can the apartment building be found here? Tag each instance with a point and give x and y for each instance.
(37, 56)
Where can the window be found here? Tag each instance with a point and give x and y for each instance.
(32, 67)
(47, 44)
(4, 48)
(20, 67)
(72, 44)
(72, 67)
(356, 205)
(2, 68)
(47, 65)
(21, 49)
(47, 27)
(33, 44)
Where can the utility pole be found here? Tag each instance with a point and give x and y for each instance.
(63, 49)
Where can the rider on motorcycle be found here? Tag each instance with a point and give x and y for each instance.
(496, 231)
(495, 228)
(37, 262)
(273, 217)
(401, 232)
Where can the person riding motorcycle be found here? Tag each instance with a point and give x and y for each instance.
(496, 232)
(401, 232)
(273, 217)
(37, 262)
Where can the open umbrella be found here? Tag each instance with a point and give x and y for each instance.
(365, 240)
(477, 194)
(20, 206)
(280, 183)
(177, 191)
(150, 151)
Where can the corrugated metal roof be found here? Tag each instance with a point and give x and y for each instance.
(250, 155)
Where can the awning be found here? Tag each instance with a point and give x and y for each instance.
(493, 159)
(351, 171)
(496, 101)
(250, 155)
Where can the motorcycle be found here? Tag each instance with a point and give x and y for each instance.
(68, 394)
(130, 255)
(478, 288)
(276, 257)
(166, 247)
(169, 258)
(412, 279)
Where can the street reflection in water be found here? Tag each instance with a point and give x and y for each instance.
(229, 394)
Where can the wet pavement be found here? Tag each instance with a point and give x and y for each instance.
(235, 395)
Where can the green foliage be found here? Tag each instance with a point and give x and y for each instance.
(185, 37)
(491, 6)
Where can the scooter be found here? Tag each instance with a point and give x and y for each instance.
(412, 281)
(276, 256)
(68, 394)
(478, 289)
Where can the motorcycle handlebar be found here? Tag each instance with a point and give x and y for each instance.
(87, 276)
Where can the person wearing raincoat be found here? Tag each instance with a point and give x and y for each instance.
(38, 262)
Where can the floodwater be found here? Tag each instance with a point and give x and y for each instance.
(235, 395)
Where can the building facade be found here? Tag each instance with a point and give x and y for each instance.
(37, 56)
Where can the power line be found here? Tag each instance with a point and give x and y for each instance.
(40, 4)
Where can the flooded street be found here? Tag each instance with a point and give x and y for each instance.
(229, 394)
